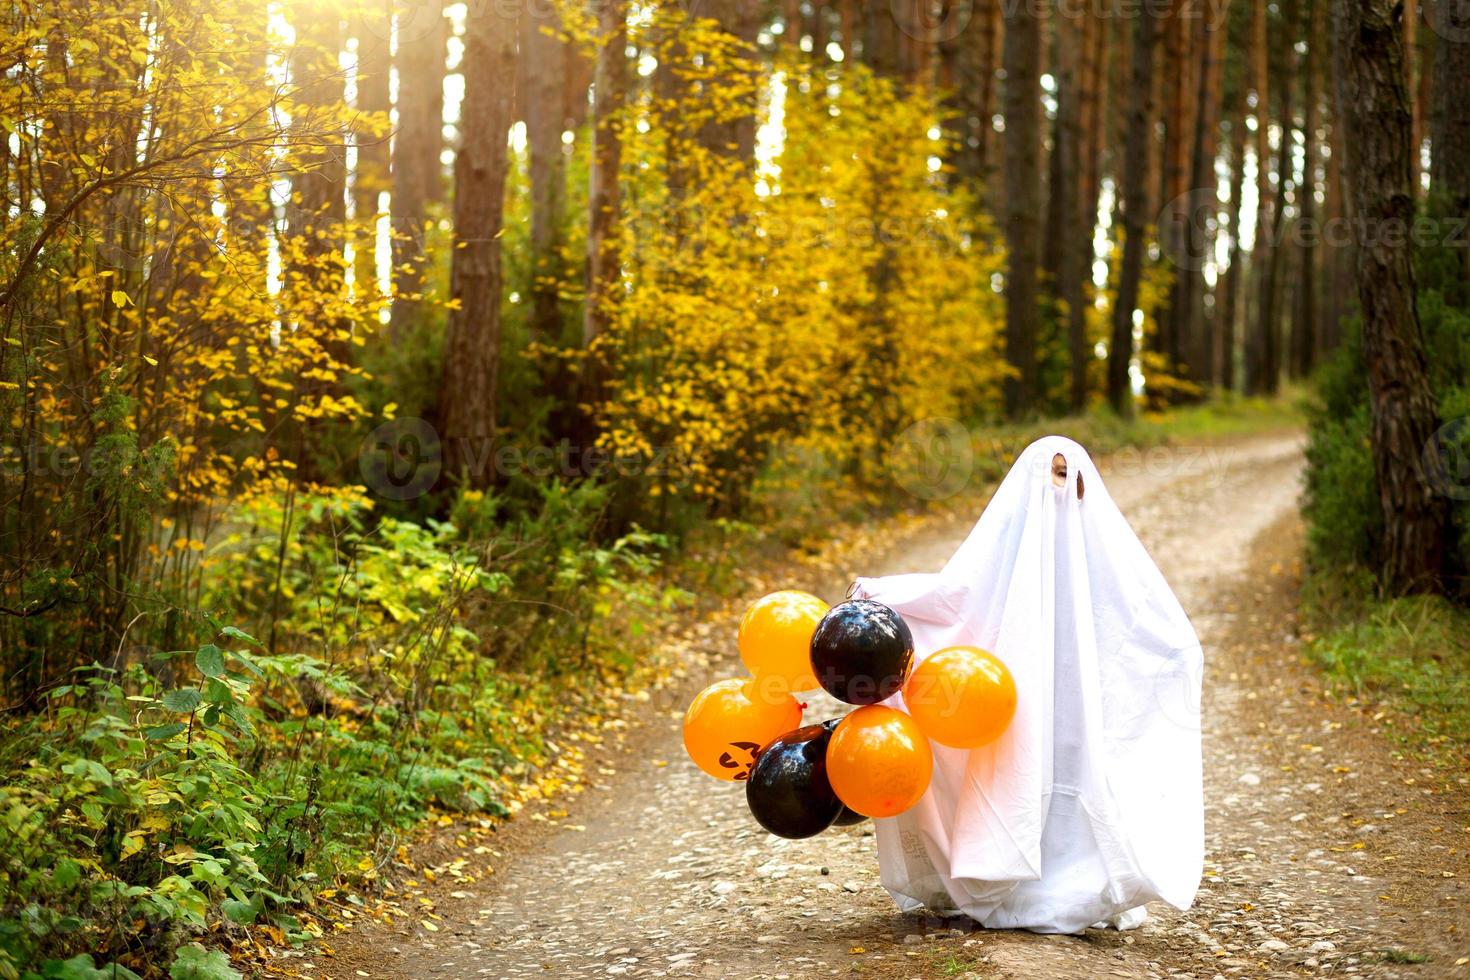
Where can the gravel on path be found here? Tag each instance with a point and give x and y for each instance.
(1324, 854)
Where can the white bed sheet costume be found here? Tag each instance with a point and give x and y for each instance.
(1090, 805)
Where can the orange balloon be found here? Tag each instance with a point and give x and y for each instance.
(728, 722)
(776, 638)
(961, 696)
(879, 761)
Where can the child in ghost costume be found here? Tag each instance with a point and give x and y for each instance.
(1090, 805)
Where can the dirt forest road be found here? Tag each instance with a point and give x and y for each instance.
(1325, 854)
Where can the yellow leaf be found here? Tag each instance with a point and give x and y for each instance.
(120, 298)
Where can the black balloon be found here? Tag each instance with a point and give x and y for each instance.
(848, 816)
(861, 651)
(787, 792)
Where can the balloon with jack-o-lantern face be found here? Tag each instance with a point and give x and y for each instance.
(729, 721)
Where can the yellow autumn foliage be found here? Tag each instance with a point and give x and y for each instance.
(824, 299)
(177, 308)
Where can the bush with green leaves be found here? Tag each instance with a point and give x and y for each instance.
(130, 815)
(401, 668)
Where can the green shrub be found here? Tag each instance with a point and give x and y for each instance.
(1344, 520)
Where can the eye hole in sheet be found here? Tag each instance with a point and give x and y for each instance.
(1059, 474)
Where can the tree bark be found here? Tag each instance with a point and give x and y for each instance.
(1337, 259)
(1256, 327)
(417, 143)
(1174, 215)
(1411, 60)
(1195, 353)
(543, 70)
(817, 26)
(735, 136)
(319, 202)
(1371, 92)
(1135, 216)
(472, 356)
(1094, 121)
(1228, 307)
(968, 64)
(604, 256)
(880, 37)
(1022, 56)
(1304, 329)
(1074, 229)
(373, 28)
(1275, 272)
(1425, 60)
(1450, 117)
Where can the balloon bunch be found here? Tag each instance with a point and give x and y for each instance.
(730, 721)
(875, 761)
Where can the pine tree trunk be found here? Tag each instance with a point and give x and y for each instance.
(1424, 60)
(1061, 56)
(604, 255)
(1074, 242)
(1450, 117)
(989, 31)
(1022, 56)
(881, 37)
(1256, 327)
(735, 136)
(817, 26)
(1135, 218)
(1094, 119)
(1173, 216)
(1337, 258)
(472, 356)
(422, 38)
(370, 179)
(1092, 126)
(319, 202)
(1196, 352)
(543, 70)
(1275, 274)
(1304, 328)
(967, 73)
(1228, 306)
(1411, 59)
(1370, 80)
